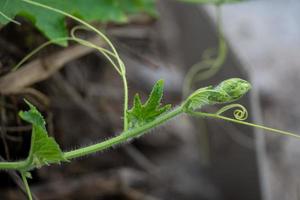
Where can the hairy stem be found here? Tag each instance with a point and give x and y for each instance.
(121, 138)
(121, 69)
(125, 106)
(125, 136)
(13, 165)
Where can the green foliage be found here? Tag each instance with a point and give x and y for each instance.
(231, 90)
(211, 1)
(227, 91)
(141, 117)
(141, 114)
(53, 25)
(44, 150)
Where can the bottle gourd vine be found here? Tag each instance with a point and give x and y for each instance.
(138, 120)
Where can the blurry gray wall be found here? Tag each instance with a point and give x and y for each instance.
(265, 36)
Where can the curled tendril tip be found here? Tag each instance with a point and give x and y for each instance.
(240, 112)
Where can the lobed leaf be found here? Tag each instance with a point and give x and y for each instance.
(52, 24)
(44, 149)
(141, 114)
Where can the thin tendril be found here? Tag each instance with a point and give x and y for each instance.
(240, 112)
(121, 65)
(26, 185)
(217, 116)
(9, 19)
(121, 70)
(104, 51)
(86, 43)
(32, 53)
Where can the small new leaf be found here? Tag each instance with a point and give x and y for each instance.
(44, 150)
(226, 92)
(53, 25)
(141, 114)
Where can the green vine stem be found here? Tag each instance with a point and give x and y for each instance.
(226, 92)
(205, 69)
(13, 165)
(120, 138)
(208, 67)
(136, 132)
(125, 136)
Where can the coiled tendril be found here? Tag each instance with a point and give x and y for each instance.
(240, 112)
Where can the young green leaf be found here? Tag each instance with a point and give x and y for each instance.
(141, 114)
(44, 150)
(227, 91)
(211, 1)
(52, 24)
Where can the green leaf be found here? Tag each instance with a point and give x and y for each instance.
(211, 1)
(52, 24)
(44, 149)
(199, 98)
(141, 114)
(227, 91)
